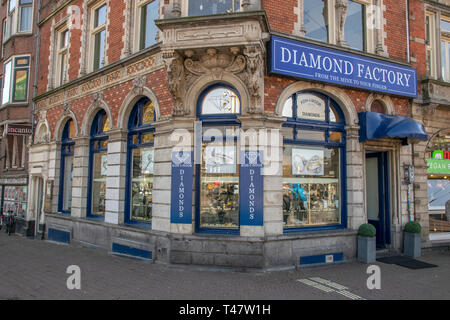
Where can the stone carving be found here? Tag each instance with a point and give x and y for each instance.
(176, 80)
(253, 76)
(341, 13)
(215, 63)
(139, 84)
(97, 99)
(42, 134)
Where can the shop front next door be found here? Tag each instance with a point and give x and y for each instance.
(378, 196)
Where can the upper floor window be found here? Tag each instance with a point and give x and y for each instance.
(62, 63)
(322, 20)
(147, 14)
(19, 19)
(430, 41)
(15, 85)
(207, 7)
(98, 35)
(445, 48)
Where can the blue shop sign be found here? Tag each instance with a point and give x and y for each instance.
(182, 187)
(252, 189)
(304, 60)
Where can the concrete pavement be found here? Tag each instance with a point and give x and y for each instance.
(32, 269)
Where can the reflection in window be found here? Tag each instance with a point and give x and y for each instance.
(355, 25)
(206, 7)
(219, 183)
(142, 156)
(98, 165)
(220, 101)
(316, 19)
(99, 36)
(148, 30)
(311, 186)
(314, 142)
(67, 157)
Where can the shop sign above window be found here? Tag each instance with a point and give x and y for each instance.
(303, 60)
(441, 154)
(436, 166)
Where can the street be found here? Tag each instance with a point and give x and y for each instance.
(33, 269)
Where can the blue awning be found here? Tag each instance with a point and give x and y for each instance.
(377, 125)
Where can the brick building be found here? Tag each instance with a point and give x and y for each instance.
(18, 60)
(430, 54)
(227, 132)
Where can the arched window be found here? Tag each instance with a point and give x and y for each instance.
(98, 164)
(313, 163)
(217, 177)
(377, 106)
(66, 173)
(140, 162)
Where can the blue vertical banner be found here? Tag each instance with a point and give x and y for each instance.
(182, 187)
(252, 189)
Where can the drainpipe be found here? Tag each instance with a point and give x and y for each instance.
(33, 117)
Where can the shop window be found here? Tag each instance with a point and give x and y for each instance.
(313, 163)
(140, 163)
(66, 170)
(98, 165)
(217, 175)
(98, 35)
(147, 14)
(207, 7)
(15, 85)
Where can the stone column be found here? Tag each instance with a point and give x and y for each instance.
(299, 26)
(80, 176)
(116, 177)
(355, 180)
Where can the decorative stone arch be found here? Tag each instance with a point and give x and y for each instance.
(130, 101)
(341, 98)
(205, 81)
(384, 100)
(59, 128)
(90, 114)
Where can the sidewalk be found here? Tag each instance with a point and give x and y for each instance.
(34, 269)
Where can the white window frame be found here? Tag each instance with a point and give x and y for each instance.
(445, 74)
(13, 19)
(93, 31)
(61, 76)
(431, 44)
(137, 30)
(12, 79)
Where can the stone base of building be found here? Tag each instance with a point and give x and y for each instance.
(287, 251)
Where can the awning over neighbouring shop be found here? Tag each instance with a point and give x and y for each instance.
(377, 125)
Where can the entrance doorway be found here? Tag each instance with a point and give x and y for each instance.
(378, 196)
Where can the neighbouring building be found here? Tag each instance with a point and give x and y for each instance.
(232, 133)
(430, 54)
(18, 60)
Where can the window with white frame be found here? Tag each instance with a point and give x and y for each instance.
(430, 41)
(147, 13)
(19, 18)
(15, 85)
(98, 35)
(62, 54)
(323, 18)
(445, 48)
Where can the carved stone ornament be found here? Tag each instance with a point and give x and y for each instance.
(253, 76)
(176, 80)
(42, 135)
(67, 107)
(139, 84)
(341, 13)
(97, 99)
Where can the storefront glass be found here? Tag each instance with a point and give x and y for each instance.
(139, 193)
(67, 156)
(217, 176)
(313, 162)
(15, 200)
(98, 165)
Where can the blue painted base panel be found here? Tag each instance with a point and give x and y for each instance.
(322, 258)
(58, 236)
(129, 251)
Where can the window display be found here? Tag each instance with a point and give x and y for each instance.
(219, 194)
(142, 185)
(15, 200)
(310, 186)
